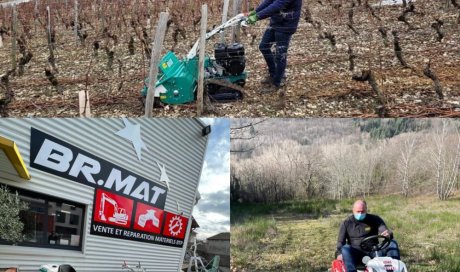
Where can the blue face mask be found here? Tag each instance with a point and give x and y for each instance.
(359, 216)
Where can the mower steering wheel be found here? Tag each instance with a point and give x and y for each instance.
(372, 243)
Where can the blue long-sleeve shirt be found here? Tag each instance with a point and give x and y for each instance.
(284, 14)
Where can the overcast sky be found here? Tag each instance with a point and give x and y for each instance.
(213, 210)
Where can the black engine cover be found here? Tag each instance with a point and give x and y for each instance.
(230, 57)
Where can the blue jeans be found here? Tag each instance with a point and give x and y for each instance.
(353, 257)
(276, 61)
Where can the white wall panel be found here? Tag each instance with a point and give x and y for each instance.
(176, 143)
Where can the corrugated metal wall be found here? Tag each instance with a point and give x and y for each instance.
(176, 143)
(7, 169)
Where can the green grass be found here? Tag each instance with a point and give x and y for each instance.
(447, 262)
(301, 236)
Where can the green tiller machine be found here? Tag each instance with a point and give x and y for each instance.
(225, 74)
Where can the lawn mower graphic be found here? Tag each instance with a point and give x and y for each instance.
(224, 75)
(374, 244)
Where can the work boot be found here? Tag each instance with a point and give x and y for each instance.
(271, 88)
(267, 80)
(283, 82)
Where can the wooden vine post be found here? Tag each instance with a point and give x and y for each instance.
(102, 15)
(155, 61)
(200, 94)
(14, 29)
(224, 19)
(50, 42)
(84, 106)
(36, 14)
(236, 29)
(76, 21)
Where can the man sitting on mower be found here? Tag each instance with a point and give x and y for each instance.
(352, 244)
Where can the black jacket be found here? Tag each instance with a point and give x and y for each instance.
(284, 14)
(352, 231)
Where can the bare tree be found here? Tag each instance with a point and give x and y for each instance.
(305, 168)
(446, 160)
(304, 159)
(405, 164)
(242, 133)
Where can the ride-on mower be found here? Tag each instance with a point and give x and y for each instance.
(225, 75)
(374, 244)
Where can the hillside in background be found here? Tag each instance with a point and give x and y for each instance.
(290, 159)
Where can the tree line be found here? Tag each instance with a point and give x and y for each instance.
(284, 160)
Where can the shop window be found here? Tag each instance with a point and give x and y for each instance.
(74, 219)
(51, 222)
(60, 217)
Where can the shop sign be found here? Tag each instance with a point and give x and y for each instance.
(57, 157)
(120, 217)
(125, 206)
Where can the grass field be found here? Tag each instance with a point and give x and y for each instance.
(301, 236)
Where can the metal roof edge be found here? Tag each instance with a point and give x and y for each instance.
(12, 152)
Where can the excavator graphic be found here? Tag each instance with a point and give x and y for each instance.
(119, 214)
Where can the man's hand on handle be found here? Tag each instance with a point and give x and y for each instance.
(252, 12)
(386, 233)
(252, 18)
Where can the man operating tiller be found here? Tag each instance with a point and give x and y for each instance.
(284, 19)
